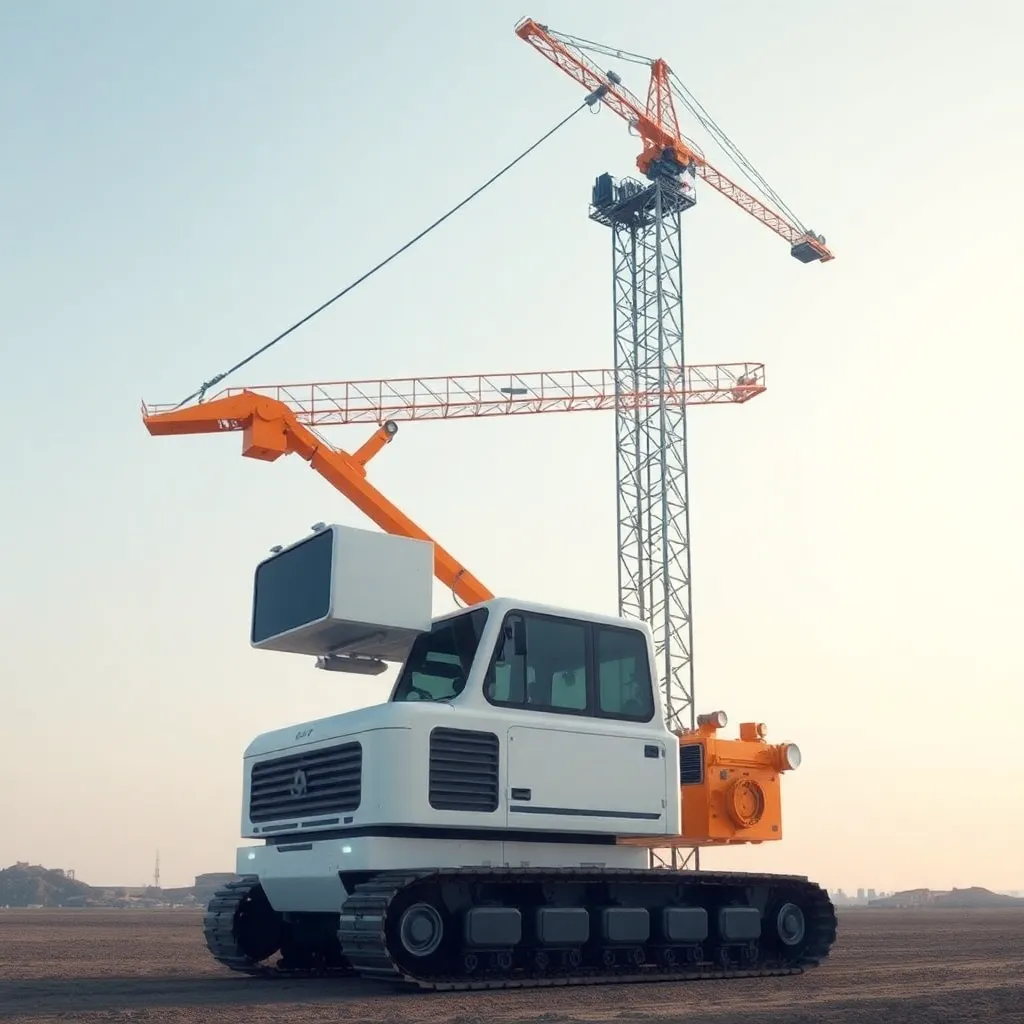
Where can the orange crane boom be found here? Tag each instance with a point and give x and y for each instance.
(657, 124)
(271, 429)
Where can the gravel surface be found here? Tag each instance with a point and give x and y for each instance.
(152, 966)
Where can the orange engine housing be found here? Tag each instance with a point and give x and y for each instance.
(730, 789)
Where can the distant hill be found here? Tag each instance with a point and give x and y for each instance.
(975, 896)
(29, 885)
(954, 899)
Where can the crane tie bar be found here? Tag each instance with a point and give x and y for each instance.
(201, 392)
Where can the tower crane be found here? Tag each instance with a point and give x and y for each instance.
(653, 498)
(490, 825)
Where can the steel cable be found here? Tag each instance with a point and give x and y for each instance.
(201, 392)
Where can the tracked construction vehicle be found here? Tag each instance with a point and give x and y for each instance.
(490, 825)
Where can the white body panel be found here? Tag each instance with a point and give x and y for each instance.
(570, 772)
(307, 876)
(600, 777)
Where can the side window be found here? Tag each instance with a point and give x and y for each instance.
(556, 664)
(498, 685)
(436, 677)
(551, 676)
(440, 661)
(623, 675)
(507, 686)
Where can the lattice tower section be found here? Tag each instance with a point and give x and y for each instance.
(652, 491)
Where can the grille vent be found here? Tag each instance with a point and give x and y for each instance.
(312, 782)
(463, 770)
(691, 764)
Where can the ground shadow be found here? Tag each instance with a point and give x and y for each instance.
(77, 995)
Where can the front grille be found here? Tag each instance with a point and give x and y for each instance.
(691, 764)
(463, 770)
(312, 782)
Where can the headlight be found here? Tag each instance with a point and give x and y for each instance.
(718, 719)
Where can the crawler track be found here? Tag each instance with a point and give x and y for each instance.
(242, 932)
(370, 927)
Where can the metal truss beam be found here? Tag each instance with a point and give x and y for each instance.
(332, 403)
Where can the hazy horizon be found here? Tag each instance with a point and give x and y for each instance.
(181, 182)
(848, 891)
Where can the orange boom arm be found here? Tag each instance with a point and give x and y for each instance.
(270, 429)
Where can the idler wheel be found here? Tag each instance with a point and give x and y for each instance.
(421, 929)
(790, 924)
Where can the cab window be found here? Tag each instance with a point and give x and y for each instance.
(551, 676)
(439, 663)
(572, 667)
(623, 675)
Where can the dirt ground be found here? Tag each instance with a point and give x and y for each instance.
(152, 966)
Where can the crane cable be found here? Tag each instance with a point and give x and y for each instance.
(591, 101)
(746, 168)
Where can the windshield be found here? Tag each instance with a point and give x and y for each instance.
(438, 664)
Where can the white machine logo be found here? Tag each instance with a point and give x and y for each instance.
(299, 784)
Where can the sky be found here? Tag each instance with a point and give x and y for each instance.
(180, 182)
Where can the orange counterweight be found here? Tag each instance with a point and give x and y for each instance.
(730, 789)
